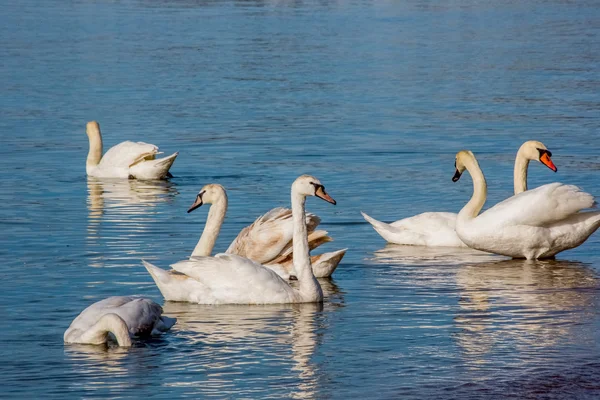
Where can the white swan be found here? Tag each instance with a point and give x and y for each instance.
(535, 224)
(268, 241)
(437, 229)
(133, 160)
(231, 279)
(123, 317)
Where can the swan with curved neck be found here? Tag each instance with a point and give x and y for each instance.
(120, 316)
(216, 196)
(231, 279)
(437, 229)
(267, 241)
(538, 223)
(531, 150)
(129, 160)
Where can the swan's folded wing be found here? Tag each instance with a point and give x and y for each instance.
(234, 279)
(126, 154)
(138, 313)
(90, 315)
(268, 236)
(541, 206)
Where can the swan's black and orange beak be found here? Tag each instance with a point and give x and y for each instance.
(197, 203)
(456, 176)
(320, 193)
(545, 158)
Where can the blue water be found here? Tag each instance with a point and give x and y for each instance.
(374, 98)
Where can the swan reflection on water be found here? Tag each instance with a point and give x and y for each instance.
(505, 309)
(105, 358)
(423, 255)
(119, 210)
(230, 339)
(522, 305)
(126, 196)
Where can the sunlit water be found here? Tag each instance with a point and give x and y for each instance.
(374, 98)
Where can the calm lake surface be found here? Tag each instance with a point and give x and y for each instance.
(374, 98)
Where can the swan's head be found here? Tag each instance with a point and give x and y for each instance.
(92, 128)
(209, 194)
(537, 151)
(462, 158)
(307, 185)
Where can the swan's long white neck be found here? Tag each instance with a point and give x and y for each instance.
(472, 208)
(95, 153)
(109, 323)
(310, 290)
(214, 221)
(520, 173)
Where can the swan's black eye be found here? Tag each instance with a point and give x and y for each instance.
(544, 151)
(317, 187)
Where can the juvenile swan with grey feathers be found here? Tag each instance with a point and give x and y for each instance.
(231, 279)
(268, 241)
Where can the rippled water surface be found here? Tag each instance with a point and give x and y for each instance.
(374, 98)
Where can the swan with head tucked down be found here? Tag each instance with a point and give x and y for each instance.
(231, 279)
(120, 316)
(129, 160)
(538, 223)
(268, 241)
(437, 229)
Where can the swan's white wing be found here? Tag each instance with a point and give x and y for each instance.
(236, 280)
(90, 315)
(436, 229)
(126, 154)
(268, 236)
(538, 207)
(427, 222)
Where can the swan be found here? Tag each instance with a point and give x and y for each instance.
(268, 241)
(122, 316)
(132, 160)
(538, 223)
(231, 279)
(437, 229)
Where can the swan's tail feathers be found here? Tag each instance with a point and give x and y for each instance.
(164, 164)
(163, 324)
(380, 227)
(324, 265)
(315, 239)
(394, 234)
(162, 278)
(158, 274)
(154, 169)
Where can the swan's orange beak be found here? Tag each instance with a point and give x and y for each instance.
(320, 193)
(547, 161)
(197, 203)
